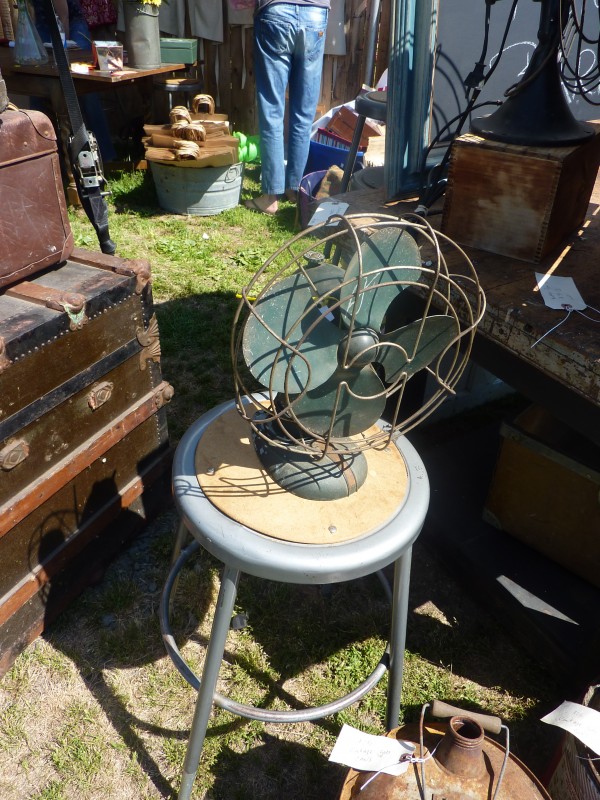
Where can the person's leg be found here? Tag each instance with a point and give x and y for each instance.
(274, 42)
(305, 88)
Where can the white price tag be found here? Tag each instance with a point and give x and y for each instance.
(327, 209)
(581, 721)
(364, 751)
(560, 292)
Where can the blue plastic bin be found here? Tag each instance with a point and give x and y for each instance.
(323, 156)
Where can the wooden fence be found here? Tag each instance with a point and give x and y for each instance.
(229, 74)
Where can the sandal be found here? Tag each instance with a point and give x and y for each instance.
(252, 205)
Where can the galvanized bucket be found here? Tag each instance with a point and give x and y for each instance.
(577, 774)
(451, 761)
(202, 192)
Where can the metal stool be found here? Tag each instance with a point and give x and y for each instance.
(374, 106)
(188, 87)
(244, 550)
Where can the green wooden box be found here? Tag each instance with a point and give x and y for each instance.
(178, 51)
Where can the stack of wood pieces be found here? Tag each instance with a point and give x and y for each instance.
(199, 138)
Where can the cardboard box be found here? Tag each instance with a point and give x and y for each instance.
(515, 200)
(178, 51)
(343, 123)
(546, 491)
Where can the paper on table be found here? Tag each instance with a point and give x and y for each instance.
(327, 209)
(560, 292)
(364, 751)
(581, 721)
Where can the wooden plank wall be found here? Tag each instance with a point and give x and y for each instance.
(229, 75)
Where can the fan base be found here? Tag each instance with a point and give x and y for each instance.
(331, 477)
(537, 114)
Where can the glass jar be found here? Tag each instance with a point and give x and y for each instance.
(29, 48)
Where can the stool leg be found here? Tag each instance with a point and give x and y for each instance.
(210, 674)
(180, 537)
(398, 637)
(351, 157)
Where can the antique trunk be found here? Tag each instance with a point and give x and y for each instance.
(518, 201)
(82, 433)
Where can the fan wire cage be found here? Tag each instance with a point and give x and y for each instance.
(366, 302)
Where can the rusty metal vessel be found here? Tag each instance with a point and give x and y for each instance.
(452, 761)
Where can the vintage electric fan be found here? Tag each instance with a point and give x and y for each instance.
(329, 332)
(536, 111)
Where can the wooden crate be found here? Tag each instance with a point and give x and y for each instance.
(545, 491)
(518, 201)
(84, 450)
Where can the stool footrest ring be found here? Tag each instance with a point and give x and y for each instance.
(240, 709)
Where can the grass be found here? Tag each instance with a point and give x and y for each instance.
(95, 709)
(199, 265)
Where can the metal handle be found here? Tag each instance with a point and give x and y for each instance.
(14, 452)
(99, 394)
(232, 174)
(487, 722)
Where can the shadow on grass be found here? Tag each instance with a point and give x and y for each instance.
(106, 628)
(276, 769)
(195, 355)
(295, 627)
(137, 196)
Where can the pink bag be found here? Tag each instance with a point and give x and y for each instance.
(98, 12)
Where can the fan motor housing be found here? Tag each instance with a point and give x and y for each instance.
(331, 476)
(359, 347)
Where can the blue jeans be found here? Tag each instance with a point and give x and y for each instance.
(289, 41)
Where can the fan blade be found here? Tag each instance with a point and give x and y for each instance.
(315, 409)
(415, 351)
(388, 254)
(281, 309)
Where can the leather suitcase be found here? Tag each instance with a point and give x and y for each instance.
(83, 435)
(34, 227)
